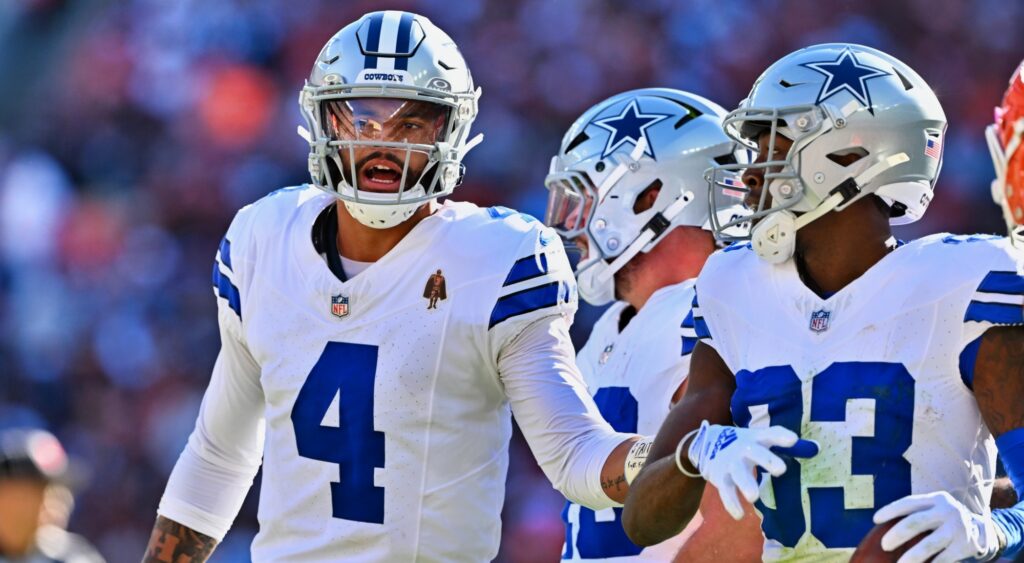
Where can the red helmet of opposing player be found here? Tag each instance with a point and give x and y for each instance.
(1006, 143)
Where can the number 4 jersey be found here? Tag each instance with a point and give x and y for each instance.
(380, 404)
(879, 374)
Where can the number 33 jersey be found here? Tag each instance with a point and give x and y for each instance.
(385, 398)
(879, 374)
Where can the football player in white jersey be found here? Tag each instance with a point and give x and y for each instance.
(374, 348)
(900, 366)
(627, 187)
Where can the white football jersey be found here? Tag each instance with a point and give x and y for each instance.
(879, 374)
(385, 398)
(633, 375)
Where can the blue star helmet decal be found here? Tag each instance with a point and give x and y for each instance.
(629, 126)
(846, 74)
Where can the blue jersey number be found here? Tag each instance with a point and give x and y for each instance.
(779, 390)
(346, 371)
(598, 540)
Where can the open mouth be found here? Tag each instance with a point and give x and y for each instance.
(380, 175)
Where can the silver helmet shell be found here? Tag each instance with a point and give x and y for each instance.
(614, 153)
(390, 54)
(832, 100)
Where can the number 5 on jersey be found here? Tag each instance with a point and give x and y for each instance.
(344, 375)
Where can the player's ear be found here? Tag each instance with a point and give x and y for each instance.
(646, 199)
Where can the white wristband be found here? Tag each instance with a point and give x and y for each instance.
(636, 458)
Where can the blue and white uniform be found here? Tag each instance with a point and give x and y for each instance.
(879, 374)
(382, 425)
(633, 374)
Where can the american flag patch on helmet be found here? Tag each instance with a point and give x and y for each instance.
(933, 146)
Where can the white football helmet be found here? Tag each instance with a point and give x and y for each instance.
(833, 100)
(617, 151)
(415, 68)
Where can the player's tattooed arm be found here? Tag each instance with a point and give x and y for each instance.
(613, 474)
(999, 379)
(172, 542)
(662, 500)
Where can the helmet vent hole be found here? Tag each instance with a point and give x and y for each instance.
(691, 112)
(846, 157)
(580, 139)
(599, 166)
(444, 65)
(906, 83)
(787, 84)
(645, 200)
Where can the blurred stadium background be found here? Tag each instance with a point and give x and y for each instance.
(130, 132)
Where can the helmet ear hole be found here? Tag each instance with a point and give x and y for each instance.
(645, 199)
(897, 209)
(847, 156)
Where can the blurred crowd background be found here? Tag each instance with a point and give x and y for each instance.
(131, 131)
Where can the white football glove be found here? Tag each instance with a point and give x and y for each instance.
(957, 534)
(728, 457)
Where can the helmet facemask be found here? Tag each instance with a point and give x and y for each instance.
(363, 136)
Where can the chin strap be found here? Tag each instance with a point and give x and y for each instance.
(774, 238)
(844, 192)
(476, 140)
(653, 229)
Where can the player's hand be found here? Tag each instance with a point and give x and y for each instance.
(954, 533)
(728, 457)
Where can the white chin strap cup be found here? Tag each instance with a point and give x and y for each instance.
(774, 237)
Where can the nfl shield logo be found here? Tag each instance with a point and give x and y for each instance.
(339, 305)
(819, 320)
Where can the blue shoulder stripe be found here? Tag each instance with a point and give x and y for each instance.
(525, 301)
(995, 313)
(1010, 283)
(227, 290)
(967, 360)
(688, 341)
(225, 253)
(689, 344)
(688, 321)
(701, 327)
(527, 268)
